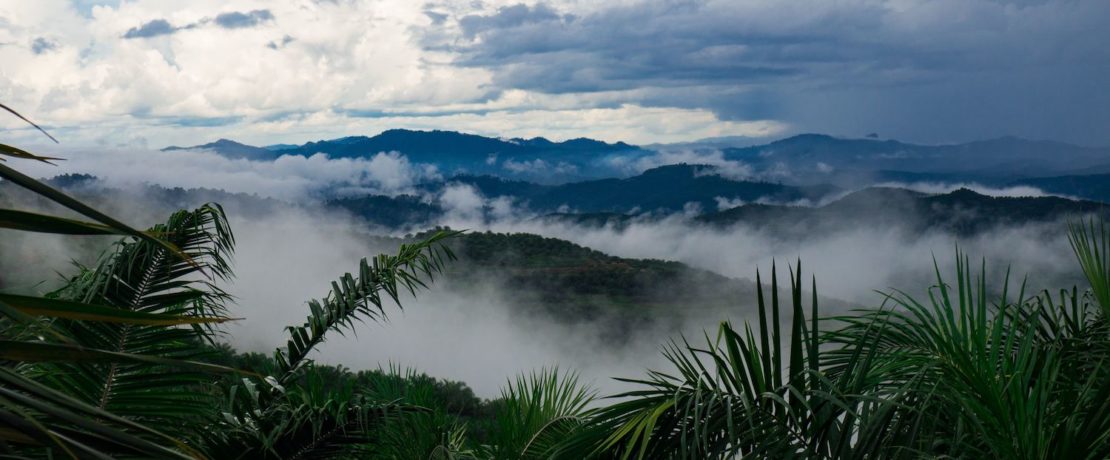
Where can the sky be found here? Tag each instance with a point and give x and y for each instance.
(147, 73)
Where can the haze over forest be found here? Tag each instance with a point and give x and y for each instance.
(623, 174)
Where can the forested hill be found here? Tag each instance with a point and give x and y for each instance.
(572, 283)
(1091, 187)
(669, 188)
(962, 212)
(233, 150)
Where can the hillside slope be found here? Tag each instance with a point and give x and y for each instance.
(961, 212)
(1094, 187)
(557, 280)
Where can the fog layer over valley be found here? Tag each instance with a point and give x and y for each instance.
(480, 325)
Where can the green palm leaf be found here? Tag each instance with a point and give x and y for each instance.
(31, 222)
(294, 414)
(57, 308)
(33, 414)
(987, 376)
(21, 117)
(1091, 244)
(536, 413)
(732, 397)
(361, 297)
(145, 281)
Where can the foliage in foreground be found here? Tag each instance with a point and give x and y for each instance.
(968, 373)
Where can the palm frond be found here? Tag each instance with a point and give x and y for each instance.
(362, 297)
(145, 280)
(729, 397)
(26, 120)
(536, 412)
(309, 420)
(295, 414)
(58, 308)
(433, 433)
(33, 414)
(1091, 243)
(983, 375)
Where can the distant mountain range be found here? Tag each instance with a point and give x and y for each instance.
(233, 150)
(537, 158)
(436, 146)
(816, 156)
(801, 159)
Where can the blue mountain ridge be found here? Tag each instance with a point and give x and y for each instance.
(801, 159)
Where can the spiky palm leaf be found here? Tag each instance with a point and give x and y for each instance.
(985, 376)
(708, 407)
(1091, 244)
(293, 414)
(32, 414)
(360, 298)
(433, 434)
(145, 278)
(761, 393)
(310, 420)
(536, 413)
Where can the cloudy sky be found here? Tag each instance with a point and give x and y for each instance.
(152, 73)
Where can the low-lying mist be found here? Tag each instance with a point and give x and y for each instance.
(468, 333)
(289, 253)
(474, 334)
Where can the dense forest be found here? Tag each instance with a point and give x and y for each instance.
(125, 360)
(574, 284)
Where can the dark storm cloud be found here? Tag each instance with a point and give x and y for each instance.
(236, 20)
(153, 28)
(934, 71)
(509, 17)
(659, 44)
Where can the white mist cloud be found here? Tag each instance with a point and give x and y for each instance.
(724, 203)
(946, 187)
(476, 334)
(469, 333)
(730, 169)
(461, 204)
(290, 177)
(536, 166)
(849, 264)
